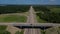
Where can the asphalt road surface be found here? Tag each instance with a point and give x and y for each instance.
(29, 24)
(32, 19)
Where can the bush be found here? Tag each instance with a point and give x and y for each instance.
(22, 32)
(3, 27)
(4, 32)
(17, 32)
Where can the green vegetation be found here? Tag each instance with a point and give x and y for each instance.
(43, 32)
(13, 18)
(13, 9)
(3, 30)
(48, 13)
(56, 10)
(3, 27)
(40, 20)
(22, 32)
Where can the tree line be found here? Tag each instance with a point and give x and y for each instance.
(46, 14)
(13, 9)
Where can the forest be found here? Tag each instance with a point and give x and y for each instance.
(49, 13)
(13, 9)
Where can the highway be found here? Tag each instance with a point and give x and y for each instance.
(32, 20)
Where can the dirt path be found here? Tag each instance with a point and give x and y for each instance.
(12, 29)
(53, 30)
(24, 14)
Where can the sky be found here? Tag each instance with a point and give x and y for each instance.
(30, 2)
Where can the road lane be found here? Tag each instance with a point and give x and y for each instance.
(34, 24)
(32, 20)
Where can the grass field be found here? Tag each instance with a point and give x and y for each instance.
(3, 30)
(40, 20)
(3, 27)
(13, 18)
(22, 32)
(56, 10)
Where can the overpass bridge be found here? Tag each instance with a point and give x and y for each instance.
(32, 25)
